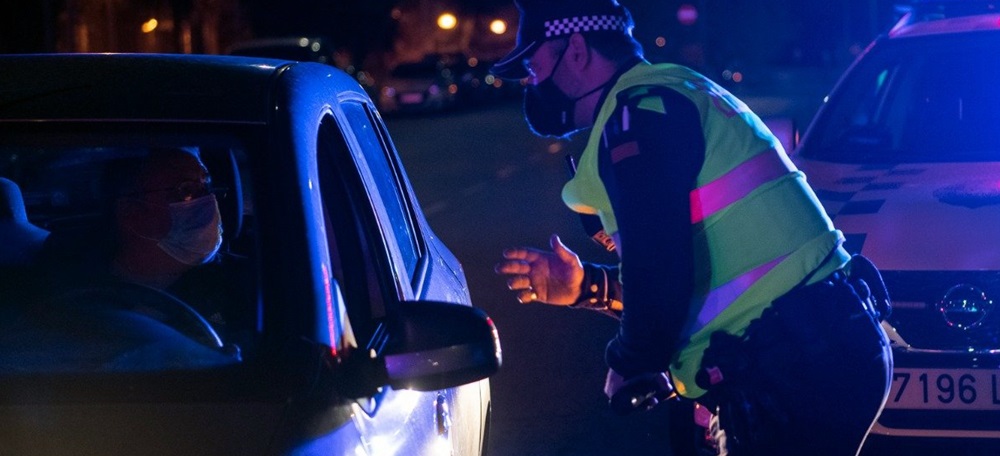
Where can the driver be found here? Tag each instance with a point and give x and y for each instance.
(164, 232)
(167, 220)
(168, 234)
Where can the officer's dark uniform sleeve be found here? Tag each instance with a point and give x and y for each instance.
(650, 156)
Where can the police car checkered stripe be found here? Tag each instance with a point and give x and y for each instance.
(861, 207)
(859, 195)
(578, 24)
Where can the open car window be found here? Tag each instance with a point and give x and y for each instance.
(78, 295)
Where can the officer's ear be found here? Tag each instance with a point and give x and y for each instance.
(578, 52)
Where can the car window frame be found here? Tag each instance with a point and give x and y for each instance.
(401, 194)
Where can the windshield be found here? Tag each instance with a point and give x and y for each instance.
(926, 99)
(124, 255)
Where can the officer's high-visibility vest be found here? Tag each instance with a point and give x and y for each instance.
(758, 229)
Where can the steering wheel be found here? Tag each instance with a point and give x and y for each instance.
(147, 301)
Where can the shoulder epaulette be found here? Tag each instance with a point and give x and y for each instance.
(648, 98)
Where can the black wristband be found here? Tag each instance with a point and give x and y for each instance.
(596, 290)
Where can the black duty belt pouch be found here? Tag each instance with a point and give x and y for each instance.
(867, 282)
(805, 324)
(802, 321)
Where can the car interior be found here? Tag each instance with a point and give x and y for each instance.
(56, 220)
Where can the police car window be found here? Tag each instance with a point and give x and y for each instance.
(389, 185)
(70, 302)
(916, 100)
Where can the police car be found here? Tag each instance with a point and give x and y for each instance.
(349, 327)
(905, 156)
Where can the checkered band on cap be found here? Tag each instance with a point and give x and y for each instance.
(578, 24)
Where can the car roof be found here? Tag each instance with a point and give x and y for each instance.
(952, 25)
(137, 87)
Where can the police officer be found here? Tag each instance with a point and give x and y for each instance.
(733, 287)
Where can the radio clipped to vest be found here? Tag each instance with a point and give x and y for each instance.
(592, 223)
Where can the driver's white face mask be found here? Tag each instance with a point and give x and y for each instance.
(195, 230)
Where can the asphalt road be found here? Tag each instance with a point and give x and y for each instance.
(486, 184)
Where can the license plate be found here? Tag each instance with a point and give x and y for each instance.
(411, 98)
(945, 389)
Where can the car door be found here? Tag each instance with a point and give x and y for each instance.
(375, 252)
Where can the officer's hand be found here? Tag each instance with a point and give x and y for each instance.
(642, 392)
(548, 277)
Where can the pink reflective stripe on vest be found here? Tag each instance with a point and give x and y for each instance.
(737, 183)
(719, 299)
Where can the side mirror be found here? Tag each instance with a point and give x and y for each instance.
(429, 346)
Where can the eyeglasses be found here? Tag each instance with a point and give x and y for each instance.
(185, 191)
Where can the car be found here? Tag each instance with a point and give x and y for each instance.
(300, 48)
(427, 85)
(904, 155)
(353, 332)
(477, 86)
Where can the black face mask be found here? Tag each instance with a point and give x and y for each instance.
(548, 110)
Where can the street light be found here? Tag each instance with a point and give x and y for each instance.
(498, 26)
(687, 14)
(447, 21)
(149, 26)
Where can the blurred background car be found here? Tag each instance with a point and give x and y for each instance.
(904, 156)
(477, 86)
(347, 327)
(425, 86)
(300, 48)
